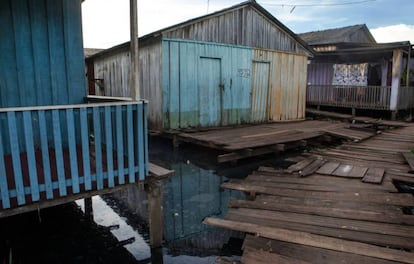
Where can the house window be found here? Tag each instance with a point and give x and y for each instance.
(350, 74)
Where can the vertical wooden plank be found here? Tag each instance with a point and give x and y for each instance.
(74, 59)
(130, 144)
(40, 45)
(70, 122)
(98, 146)
(140, 144)
(24, 52)
(57, 52)
(31, 160)
(8, 75)
(108, 141)
(45, 154)
(4, 189)
(145, 104)
(85, 149)
(120, 144)
(15, 151)
(57, 138)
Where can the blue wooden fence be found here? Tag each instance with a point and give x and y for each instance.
(53, 152)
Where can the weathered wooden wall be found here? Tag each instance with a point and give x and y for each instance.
(114, 71)
(41, 53)
(279, 86)
(205, 84)
(241, 26)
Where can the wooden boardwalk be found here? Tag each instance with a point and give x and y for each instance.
(248, 141)
(338, 205)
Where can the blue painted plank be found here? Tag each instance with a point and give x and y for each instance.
(140, 144)
(70, 122)
(108, 139)
(4, 189)
(40, 46)
(45, 154)
(146, 138)
(98, 147)
(59, 85)
(8, 75)
(24, 54)
(15, 151)
(31, 159)
(75, 65)
(120, 144)
(85, 148)
(57, 135)
(130, 144)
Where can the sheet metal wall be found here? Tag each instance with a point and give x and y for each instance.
(205, 84)
(286, 86)
(243, 26)
(114, 70)
(41, 49)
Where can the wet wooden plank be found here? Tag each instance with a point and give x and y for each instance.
(409, 157)
(299, 165)
(358, 172)
(326, 209)
(308, 253)
(159, 172)
(374, 175)
(328, 168)
(403, 199)
(252, 256)
(343, 170)
(312, 168)
(319, 241)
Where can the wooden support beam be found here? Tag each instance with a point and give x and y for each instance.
(134, 78)
(307, 239)
(155, 214)
(396, 78)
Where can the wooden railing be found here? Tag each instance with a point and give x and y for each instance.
(52, 152)
(363, 97)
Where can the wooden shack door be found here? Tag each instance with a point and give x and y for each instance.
(210, 91)
(260, 91)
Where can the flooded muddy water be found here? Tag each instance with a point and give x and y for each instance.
(118, 232)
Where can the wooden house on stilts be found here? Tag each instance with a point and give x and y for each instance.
(54, 148)
(236, 66)
(351, 70)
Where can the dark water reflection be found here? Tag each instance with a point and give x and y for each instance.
(119, 233)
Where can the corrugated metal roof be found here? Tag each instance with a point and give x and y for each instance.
(338, 35)
(252, 3)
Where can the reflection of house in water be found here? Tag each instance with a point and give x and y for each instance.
(350, 69)
(190, 196)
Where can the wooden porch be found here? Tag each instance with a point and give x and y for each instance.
(360, 97)
(345, 204)
(57, 154)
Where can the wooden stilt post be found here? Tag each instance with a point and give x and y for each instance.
(88, 208)
(396, 79)
(155, 216)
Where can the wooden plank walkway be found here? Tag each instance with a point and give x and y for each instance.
(248, 141)
(344, 209)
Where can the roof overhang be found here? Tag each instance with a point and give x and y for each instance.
(373, 53)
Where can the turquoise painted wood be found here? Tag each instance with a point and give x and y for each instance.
(205, 84)
(42, 53)
(54, 170)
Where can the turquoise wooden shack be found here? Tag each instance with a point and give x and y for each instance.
(54, 148)
(239, 65)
